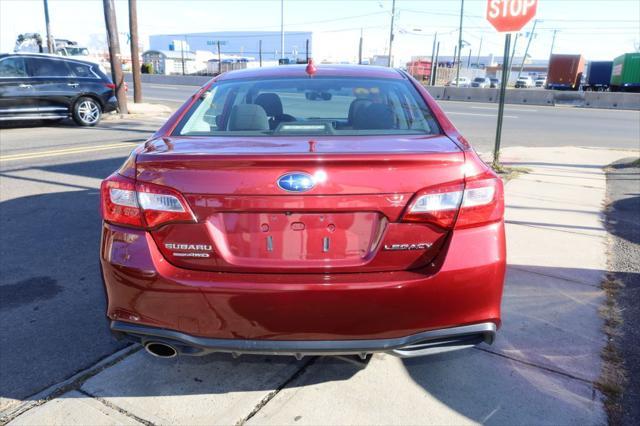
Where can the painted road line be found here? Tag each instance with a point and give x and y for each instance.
(510, 109)
(58, 152)
(479, 115)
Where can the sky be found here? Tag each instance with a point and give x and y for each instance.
(600, 30)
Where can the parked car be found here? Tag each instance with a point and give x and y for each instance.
(495, 83)
(48, 87)
(461, 82)
(524, 83)
(540, 82)
(251, 225)
(481, 82)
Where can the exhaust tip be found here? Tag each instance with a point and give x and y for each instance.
(160, 350)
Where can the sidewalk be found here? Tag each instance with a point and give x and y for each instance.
(541, 370)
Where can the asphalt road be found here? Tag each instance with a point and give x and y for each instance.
(51, 298)
(523, 125)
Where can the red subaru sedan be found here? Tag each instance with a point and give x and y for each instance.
(304, 211)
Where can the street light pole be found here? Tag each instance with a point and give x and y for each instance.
(459, 42)
(393, 15)
(360, 49)
(553, 42)
(433, 55)
(281, 29)
(526, 51)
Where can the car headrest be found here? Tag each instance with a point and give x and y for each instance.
(374, 116)
(271, 103)
(355, 106)
(248, 117)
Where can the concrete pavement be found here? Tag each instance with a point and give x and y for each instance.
(541, 370)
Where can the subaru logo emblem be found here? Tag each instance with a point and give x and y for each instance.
(296, 182)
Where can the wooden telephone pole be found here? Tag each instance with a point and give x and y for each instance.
(135, 55)
(114, 54)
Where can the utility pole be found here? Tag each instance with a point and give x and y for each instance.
(135, 58)
(182, 55)
(469, 59)
(114, 54)
(219, 59)
(360, 49)
(50, 46)
(479, 50)
(435, 70)
(260, 52)
(281, 29)
(553, 42)
(513, 54)
(433, 54)
(393, 15)
(306, 51)
(526, 51)
(459, 42)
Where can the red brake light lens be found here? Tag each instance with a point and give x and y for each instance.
(110, 86)
(161, 205)
(436, 205)
(483, 202)
(478, 202)
(126, 203)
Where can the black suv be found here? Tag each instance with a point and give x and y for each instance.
(47, 87)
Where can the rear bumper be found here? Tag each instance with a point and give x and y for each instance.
(425, 343)
(111, 104)
(462, 287)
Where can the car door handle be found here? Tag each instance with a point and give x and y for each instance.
(25, 86)
(72, 84)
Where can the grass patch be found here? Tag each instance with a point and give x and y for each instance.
(613, 376)
(507, 173)
(636, 163)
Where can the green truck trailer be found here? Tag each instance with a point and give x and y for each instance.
(625, 75)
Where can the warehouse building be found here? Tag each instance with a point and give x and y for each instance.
(247, 44)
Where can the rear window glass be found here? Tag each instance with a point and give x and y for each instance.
(81, 70)
(309, 107)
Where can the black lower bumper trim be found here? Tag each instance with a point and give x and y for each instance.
(425, 343)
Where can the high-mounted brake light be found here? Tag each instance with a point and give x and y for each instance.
(478, 202)
(142, 204)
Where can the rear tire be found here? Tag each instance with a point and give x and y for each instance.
(87, 112)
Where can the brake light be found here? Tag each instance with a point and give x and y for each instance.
(483, 201)
(436, 205)
(110, 86)
(144, 204)
(478, 202)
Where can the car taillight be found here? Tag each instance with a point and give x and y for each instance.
(143, 204)
(478, 202)
(110, 86)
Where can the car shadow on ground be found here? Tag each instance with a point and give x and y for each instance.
(51, 295)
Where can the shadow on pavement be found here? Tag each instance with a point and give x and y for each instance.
(51, 294)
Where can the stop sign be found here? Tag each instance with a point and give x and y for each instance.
(510, 15)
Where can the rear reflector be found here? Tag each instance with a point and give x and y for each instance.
(142, 204)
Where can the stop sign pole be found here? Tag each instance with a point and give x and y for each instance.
(507, 16)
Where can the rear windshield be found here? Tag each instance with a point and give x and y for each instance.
(479, 79)
(309, 107)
